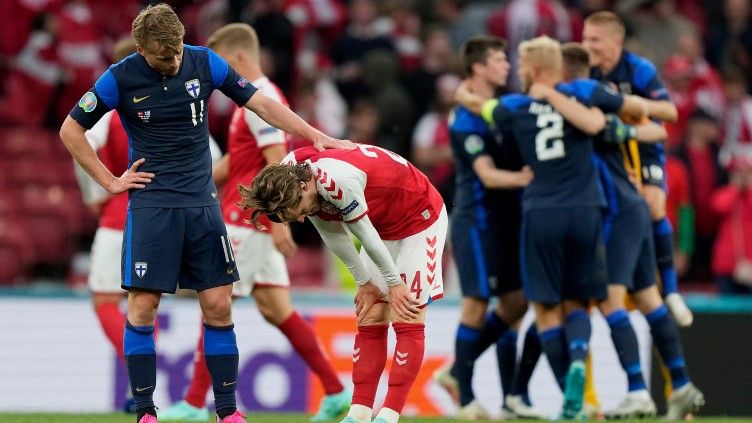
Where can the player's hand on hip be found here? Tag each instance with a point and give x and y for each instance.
(131, 179)
(366, 296)
(402, 302)
(323, 142)
(282, 238)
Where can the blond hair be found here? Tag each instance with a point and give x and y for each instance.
(235, 35)
(158, 30)
(606, 18)
(123, 48)
(543, 51)
(275, 191)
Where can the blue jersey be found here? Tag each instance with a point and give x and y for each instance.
(560, 155)
(635, 75)
(471, 138)
(165, 118)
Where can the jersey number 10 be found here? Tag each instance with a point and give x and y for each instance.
(548, 142)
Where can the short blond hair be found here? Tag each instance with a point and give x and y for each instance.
(543, 51)
(158, 30)
(606, 18)
(235, 35)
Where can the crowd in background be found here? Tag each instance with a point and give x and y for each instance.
(384, 73)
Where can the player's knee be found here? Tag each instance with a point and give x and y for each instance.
(656, 200)
(218, 312)
(648, 299)
(473, 311)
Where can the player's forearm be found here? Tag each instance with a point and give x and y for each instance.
(662, 110)
(73, 136)
(634, 106)
(338, 241)
(376, 249)
(492, 177)
(651, 133)
(589, 120)
(282, 117)
(472, 102)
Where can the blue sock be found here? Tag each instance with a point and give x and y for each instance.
(465, 347)
(506, 355)
(493, 328)
(663, 235)
(221, 352)
(531, 351)
(141, 360)
(577, 328)
(666, 338)
(625, 342)
(554, 344)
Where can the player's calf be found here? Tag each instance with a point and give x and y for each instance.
(408, 357)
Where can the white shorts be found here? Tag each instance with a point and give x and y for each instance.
(104, 275)
(258, 261)
(418, 260)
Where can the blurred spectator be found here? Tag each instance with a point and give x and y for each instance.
(276, 37)
(114, 17)
(678, 73)
(406, 31)
(729, 40)
(318, 102)
(431, 145)
(737, 119)
(363, 122)
(361, 37)
(707, 81)
(462, 19)
(17, 23)
(521, 20)
(438, 58)
(79, 51)
(732, 252)
(396, 110)
(699, 153)
(680, 213)
(655, 27)
(317, 23)
(34, 76)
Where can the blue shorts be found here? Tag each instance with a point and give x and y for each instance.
(562, 255)
(164, 248)
(487, 258)
(630, 253)
(653, 162)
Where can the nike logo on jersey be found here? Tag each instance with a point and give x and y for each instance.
(140, 99)
(143, 389)
(226, 384)
(230, 270)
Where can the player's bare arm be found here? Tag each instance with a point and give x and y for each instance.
(73, 136)
(492, 177)
(467, 98)
(663, 110)
(617, 131)
(587, 119)
(221, 169)
(285, 119)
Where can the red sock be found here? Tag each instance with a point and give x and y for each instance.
(201, 380)
(112, 321)
(369, 359)
(306, 343)
(408, 357)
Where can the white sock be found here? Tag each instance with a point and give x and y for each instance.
(360, 413)
(389, 415)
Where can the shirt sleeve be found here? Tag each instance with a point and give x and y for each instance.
(376, 249)
(606, 99)
(470, 146)
(343, 187)
(95, 103)
(225, 79)
(338, 241)
(646, 79)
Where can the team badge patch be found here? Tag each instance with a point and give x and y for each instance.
(88, 102)
(474, 144)
(350, 207)
(193, 87)
(242, 82)
(140, 267)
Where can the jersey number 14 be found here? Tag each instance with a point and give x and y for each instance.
(548, 142)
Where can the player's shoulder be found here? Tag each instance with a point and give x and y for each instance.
(300, 155)
(196, 51)
(581, 88)
(642, 69)
(463, 120)
(514, 102)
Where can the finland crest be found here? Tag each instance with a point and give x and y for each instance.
(193, 87)
(140, 267)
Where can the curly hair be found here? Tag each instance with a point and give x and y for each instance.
(157, 29)
(275, 191)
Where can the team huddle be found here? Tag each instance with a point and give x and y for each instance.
(560, 203)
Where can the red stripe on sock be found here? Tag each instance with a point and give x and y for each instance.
(201, 381)
(408, 357)
(369, 359)
(112, 321)
(304, 340)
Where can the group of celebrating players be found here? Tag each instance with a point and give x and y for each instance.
(548, 211)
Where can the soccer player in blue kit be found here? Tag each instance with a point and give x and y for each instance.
(174, 231)
(562, 258)
(629, 253)
(603, 36)
(485, 225)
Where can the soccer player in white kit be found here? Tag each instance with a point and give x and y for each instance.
(259, 253)
(401, 221)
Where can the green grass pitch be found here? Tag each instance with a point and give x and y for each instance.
(260, 418)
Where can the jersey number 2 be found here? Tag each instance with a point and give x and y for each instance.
(200, 112)
(548, 142)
